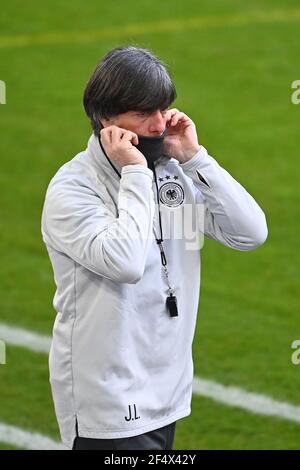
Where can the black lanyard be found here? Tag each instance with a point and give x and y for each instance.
(171, 301)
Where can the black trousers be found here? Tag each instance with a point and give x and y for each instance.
(159, 439)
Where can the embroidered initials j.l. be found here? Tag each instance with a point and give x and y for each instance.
(130, 415)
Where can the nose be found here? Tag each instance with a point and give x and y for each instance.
(157, 123)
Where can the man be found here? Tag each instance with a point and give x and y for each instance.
(127, 295)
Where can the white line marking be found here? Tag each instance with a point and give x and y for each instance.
(249, 401)
(24, 338)
(27, 440)
(227, 395)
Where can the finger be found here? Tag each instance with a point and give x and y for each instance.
(179, 117)
(130, 137)
(175, 118)
(116, 133)
(173, 112)
(105, 135)
(170, 113)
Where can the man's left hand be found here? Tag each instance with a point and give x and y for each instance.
(181, 141)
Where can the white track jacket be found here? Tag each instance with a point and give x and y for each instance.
(120, 365)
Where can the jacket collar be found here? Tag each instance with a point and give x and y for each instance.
(96, 152)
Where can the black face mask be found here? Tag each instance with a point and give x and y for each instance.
(151, 147)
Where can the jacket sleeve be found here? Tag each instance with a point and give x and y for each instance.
(231, 215)
(77, 222)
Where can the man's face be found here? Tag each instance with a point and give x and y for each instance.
(142, 123)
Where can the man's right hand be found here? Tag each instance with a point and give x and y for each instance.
(117, 143)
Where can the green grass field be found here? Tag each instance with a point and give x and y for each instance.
(233, 64)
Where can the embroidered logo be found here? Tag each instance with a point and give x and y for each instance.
(171, 194)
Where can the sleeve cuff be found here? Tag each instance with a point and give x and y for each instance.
(142, 169)
(197, 161)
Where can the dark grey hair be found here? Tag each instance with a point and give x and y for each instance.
(127, 79)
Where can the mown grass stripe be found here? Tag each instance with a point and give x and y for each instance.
(139, 29)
